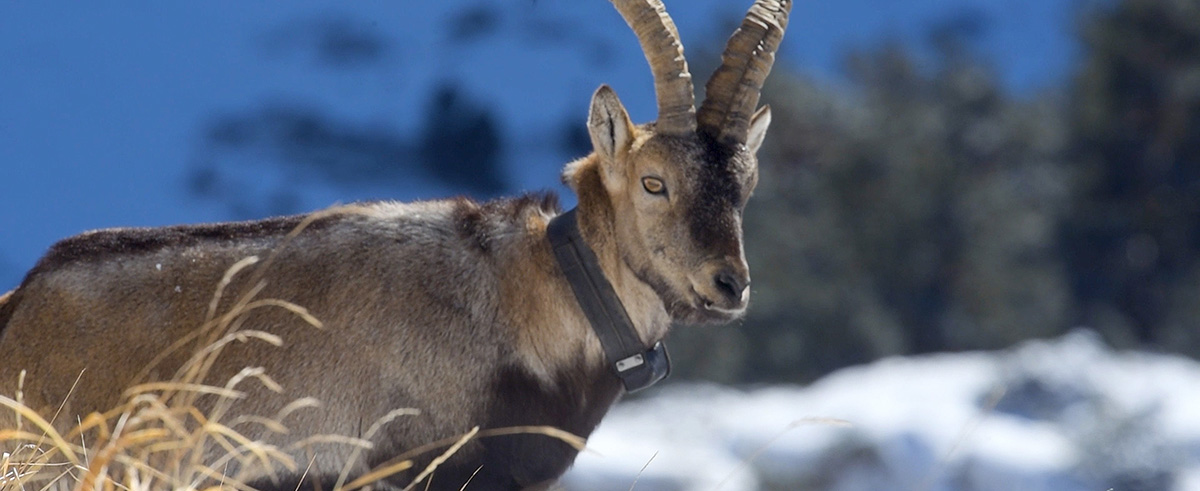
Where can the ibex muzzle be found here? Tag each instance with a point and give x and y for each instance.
(457, 309)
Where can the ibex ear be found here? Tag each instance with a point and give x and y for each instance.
(611, 132)
(758, 128)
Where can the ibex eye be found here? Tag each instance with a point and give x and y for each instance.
(654, 185)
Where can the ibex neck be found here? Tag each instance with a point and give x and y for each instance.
(598, 223)
(625, 353)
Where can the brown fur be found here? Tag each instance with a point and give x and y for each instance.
(107, 316)
(454, 308)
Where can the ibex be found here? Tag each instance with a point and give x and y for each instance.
(502, 314)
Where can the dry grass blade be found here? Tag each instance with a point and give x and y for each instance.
(157, 437)
(304, 224)
(198, 367)
(296, 405)
(469, 479)
(793, 425)
(378, 474)
(261, 452)
(575, 441)
(334, 439)
(569, 438)
(47, 428)
(221, 477)
(20, 391)
(640, 471)
(17, 469)
(442, 458)
(375, 427)
(299, 311)
(183, 387)
(271, 424)
(403, 461)
(224, 283)
(74, 384)
(241, 336)
(993, 400)
(304, 474)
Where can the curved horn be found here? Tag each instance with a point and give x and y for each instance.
(731, 95)
(672, 82)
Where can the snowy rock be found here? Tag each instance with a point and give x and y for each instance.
(1061, 415)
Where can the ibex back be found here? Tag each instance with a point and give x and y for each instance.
(453, 308)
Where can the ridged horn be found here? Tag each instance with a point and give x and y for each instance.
(672, 82)
(731, 94)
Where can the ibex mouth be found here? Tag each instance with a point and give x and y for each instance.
(701, 300)
(710, 311)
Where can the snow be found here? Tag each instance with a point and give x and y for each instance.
(1062, 415)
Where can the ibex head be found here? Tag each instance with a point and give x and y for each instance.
(678, 186)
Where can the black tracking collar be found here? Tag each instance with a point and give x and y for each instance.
(636, 366)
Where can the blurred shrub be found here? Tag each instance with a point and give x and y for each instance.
(908, 213)
(913, 213)
(1134, 229)
(921, 208)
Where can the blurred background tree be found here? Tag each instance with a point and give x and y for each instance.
(914, 206)
(1133, 231)
(921, 208)
(459, 144)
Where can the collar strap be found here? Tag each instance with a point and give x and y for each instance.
(627, 357)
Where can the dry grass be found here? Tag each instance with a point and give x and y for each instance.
(158, 439)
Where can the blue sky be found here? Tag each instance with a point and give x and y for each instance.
(104, 108)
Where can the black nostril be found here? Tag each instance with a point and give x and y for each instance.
(731, 284)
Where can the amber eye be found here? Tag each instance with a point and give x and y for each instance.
(654, 185)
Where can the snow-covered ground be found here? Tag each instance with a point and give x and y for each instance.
(1060, 415)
